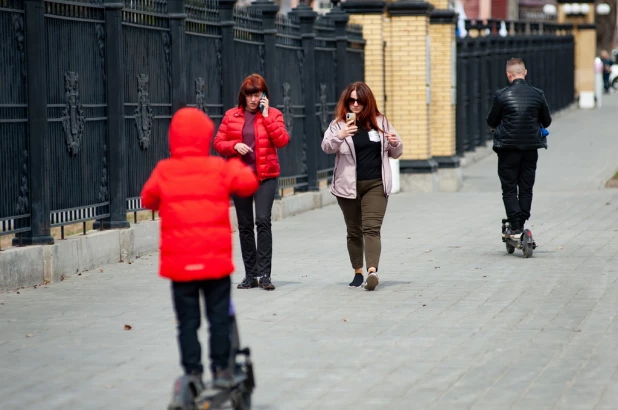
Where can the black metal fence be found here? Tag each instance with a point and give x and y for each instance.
(548, 52)
(88, 88)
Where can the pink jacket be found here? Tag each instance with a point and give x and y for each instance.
(344, 174)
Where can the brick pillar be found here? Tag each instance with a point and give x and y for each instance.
(585, 50)
(409, 93)
(370, 14)
(443, 96)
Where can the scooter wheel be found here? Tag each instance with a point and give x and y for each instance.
(527, 246)
(241, 400)
(509, 248)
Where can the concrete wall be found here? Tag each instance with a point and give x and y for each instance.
(35, 265)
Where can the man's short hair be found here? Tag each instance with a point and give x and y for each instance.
(515, 61)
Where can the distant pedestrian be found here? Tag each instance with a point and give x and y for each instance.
(191, 190)
(517, 117)
(607, 70)
(362, 177)
(253, 131)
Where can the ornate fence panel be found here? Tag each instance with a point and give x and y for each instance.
(14, 195)
(248, 43)
(287, 89)
(547, 51)
(326, 80)
(76, 107)
(110, 75)
(147, 93)
(203, 48)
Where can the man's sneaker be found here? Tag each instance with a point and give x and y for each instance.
(222, 379)
(358, 281)
(513, 233)
(266, 284)
(372, 281)
(247, 283)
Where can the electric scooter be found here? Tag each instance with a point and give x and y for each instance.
(525, 242)
(190, 393)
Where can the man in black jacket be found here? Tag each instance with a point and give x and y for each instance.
(517, 114)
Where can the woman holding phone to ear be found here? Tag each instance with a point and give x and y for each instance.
(362, 177)
(253, 131)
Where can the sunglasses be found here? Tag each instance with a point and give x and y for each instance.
(354, 100)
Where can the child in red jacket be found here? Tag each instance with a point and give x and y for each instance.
(191, 190)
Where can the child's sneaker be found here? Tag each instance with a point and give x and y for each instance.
(372, 281)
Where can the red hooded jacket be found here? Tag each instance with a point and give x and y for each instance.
(191, 191)
(270, 134)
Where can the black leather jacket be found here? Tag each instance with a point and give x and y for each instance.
(517, 114)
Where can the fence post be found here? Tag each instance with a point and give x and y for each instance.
(177, 16)
(228, 92)
(116, 146)
(269, 11)
(461, 134)
(38, 141)
(340, 19)
(306, 17)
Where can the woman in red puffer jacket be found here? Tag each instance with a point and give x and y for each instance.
(252, 132)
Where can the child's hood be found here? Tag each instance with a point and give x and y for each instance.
(190, 133)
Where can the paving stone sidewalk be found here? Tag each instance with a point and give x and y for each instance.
(456, 323)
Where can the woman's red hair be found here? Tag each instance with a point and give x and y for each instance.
(367, 118)
(254, 83)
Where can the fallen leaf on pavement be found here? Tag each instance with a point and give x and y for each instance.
(127, 327)
(100, 270)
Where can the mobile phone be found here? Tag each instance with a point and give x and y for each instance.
(350, 116)
(261, 107)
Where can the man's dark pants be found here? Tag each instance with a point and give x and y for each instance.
(186, 296)
(517, 170)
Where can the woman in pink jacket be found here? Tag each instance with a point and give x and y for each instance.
(362, 176)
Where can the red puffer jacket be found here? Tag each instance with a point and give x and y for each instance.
(192, 192)
(270, 134)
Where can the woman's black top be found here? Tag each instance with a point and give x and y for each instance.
(368, 155)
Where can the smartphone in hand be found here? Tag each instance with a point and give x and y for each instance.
(261, 106)
(350, 117)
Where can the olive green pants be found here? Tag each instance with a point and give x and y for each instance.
(363, 218)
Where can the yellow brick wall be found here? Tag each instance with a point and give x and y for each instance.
(585, 46)
(442, 109)
(388, 67)
(373, 27)
(440, 4)
(407, 106)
